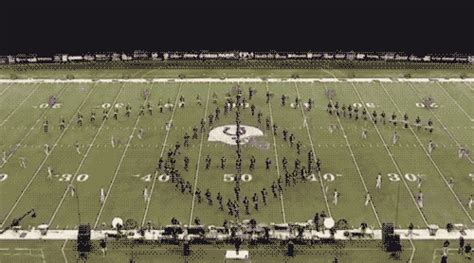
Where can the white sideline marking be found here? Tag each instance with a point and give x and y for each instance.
(455, 102)
(45, 159)
(199, 159)
(233, 80)
(357, 166)
(391, 157)
(63, 252)
(442, 124)
(161, 154)
(32, 128)
(321, 181)
(430, 158)
(17, 107)
(83, 160)
(276, 156)
(109, 190)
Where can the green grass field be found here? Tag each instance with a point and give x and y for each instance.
(350, 164)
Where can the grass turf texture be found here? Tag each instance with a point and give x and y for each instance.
(115, 169)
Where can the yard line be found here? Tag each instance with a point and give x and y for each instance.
(469, 86)
(119, 166)
(42, 255)
(29, 132)
(17, 107)
(162, 152)
(63, 252)
(356, 165)
(8, 87)
(314, 155)
(442, 124)
(412, 252)
(455, 102)
(391, 157)
(84, 158)
(276, 156)
(429, 157)
(45, 159)
(199, 159)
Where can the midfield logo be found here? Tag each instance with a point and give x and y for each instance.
(226, 134)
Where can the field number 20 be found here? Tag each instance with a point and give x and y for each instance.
(367, 104)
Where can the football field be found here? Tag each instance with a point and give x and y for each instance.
(107, 168)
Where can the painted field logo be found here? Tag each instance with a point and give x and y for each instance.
(226, 134)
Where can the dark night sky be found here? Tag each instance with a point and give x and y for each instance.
(79, 30)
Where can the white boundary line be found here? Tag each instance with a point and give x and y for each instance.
(17, 146)
(321, 181)
(242, 80)
(442, 124)
(276, 156)
(161, 154)
(429, 157)
(46, 158)
(356, 165)
(117, 169)
(199, 160)
(5, 90)
(19, 105)
(63, 251)
(84, 159)
(455, 102)
(391, 157)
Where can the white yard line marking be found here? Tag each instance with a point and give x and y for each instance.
(42, 255)
(321, 182)
(5, 90)
(63, 252)
(391, 157)
(440, 122)
(117, 169)
(356, 165)
(45, 159)
(84, 158)
(412, 252)
(17, 107)
(276, 157)
(429, 157)
(455, 102)
(31, 129)
(155, 176)
(199, 160)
